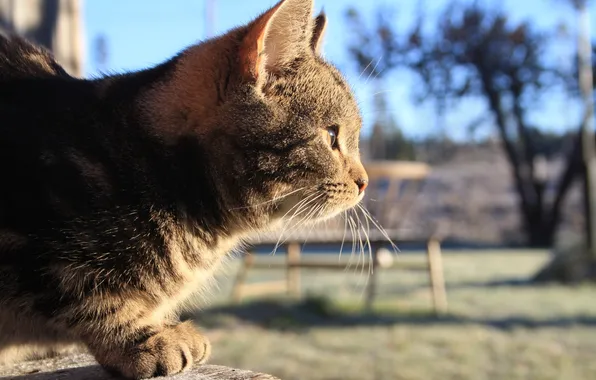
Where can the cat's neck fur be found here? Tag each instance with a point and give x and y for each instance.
(179, 112)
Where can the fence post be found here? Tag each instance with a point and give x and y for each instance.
(293, 271)
(371, 287)
(435, 271)
(241, 277)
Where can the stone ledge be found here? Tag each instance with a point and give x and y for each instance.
(84, 367)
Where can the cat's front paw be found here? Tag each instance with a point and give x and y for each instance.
(168, 352)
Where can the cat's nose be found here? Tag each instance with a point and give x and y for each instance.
(362, 184)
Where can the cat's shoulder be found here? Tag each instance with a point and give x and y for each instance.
(20, 58)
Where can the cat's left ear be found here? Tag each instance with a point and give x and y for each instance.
(277, 38)
(318, 32)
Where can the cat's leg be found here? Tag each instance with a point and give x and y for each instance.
(151, 350)
(117, 333)
(28, 337)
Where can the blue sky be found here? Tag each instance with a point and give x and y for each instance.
(142, 33)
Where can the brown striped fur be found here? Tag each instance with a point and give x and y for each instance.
(121, 195)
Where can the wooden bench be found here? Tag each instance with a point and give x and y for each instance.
(82, 366)
(392, 192)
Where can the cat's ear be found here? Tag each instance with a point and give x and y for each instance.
(276, 38)
(318, 32)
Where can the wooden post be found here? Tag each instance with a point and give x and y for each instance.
(371, 288)
(293, 272)
(241, 277)
(435, 271)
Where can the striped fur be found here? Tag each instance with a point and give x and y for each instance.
(121, 195)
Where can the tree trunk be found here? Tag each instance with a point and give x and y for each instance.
(540, 228)
(540, 220)
(570, 265)
(540, 234)
(578, 263)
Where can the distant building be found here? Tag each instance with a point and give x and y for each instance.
(56, 24)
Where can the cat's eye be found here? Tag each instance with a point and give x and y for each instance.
(332, 132)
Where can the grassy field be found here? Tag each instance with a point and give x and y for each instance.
(498, 327)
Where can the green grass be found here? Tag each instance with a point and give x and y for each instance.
(498, 327)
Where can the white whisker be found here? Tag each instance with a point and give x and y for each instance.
(343, 239)
(269, 201)
(318, 212)
(297, 209)
(366, 234)
(361, 254)
(353, 231)
(364, 70)
(373, 70)
(381, 230)
(304, 207)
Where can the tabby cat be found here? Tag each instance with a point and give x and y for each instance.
(120, 195)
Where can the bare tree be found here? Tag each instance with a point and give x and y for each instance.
(477, 52)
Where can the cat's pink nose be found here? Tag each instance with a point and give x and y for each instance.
(362, 184)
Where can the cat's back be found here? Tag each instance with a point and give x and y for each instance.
(45, 116)
(31, 82)
(21, 59)
(36, 94)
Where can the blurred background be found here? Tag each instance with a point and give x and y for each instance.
(479, 137)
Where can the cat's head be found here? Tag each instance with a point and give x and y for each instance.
(279, 124)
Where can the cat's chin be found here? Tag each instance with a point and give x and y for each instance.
(295, 207)
(289, 206)
(288, 221)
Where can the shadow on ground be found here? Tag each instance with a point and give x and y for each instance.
(309, 313)
(504, 283)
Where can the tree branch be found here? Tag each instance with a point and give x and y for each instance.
(516, 164)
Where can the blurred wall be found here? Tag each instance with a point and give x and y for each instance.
(56, 24)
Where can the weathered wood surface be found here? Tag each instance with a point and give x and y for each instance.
(84, 367)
